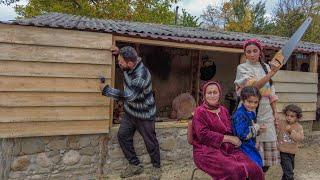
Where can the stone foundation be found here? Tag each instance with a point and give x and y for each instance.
(174, 149)
(58, 157)
(86, 156)
(97, 156)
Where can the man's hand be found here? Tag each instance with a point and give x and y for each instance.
(102, 85)
(115, 50)
(102, 82)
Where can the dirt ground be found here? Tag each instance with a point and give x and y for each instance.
(307, 168)
(307, 164)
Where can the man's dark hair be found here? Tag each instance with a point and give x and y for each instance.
(293, 108)
(129, 54)
(249, 91)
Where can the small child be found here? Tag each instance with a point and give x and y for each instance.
(244, 125)
(290, 133)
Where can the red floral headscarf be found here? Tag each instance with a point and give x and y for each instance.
(255, 42)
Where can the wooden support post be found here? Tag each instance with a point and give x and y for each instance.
(314, 63)
(242, 59)
(294, 63)
(113, 79)
(198, 77)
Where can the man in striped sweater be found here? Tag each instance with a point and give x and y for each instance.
(140, 111)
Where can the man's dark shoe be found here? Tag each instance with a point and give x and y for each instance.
(131, 170)
(156, 173)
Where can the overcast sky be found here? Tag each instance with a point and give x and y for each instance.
(194, 7)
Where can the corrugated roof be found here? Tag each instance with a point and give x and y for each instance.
(158, 31)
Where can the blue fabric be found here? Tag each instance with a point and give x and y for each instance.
(242, 125)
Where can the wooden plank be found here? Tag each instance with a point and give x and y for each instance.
(306, 116)
(34, 114)
(43, 84)
(177, 44)
(15, 68)
(304, 106)
(29, 129)
(113, 77)
(54, 54)
(199, 53)
(296, 87)
(295, 77)
(54, 37)
(21, 99)
(297, 97)
(314, 63)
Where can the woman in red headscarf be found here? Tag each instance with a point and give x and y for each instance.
(255, 72)
(215, 150)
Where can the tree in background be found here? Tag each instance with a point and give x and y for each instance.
(187, 20)
(214, 17)
(152, 11)
(237, 15)
(289, 15)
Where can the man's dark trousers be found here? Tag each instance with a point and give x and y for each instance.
(287, 164)
(146, 128)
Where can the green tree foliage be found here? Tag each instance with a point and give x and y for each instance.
(237, 15)
(153, 11)
(289, 15)
(187, 20)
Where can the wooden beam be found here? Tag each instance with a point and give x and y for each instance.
(37, 114)
(22, 99)
(17, 34)
(297, 97)
(306, 107)
(113, 79)
(49, 84)
(296, 87)
(314, 63)
(176, 44)
(199, 53)
(295, 77)
(21, 52)
(54, 128)
(306, 116)
(39, 69)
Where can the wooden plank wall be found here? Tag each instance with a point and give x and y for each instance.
(299, 88)
(49, 81)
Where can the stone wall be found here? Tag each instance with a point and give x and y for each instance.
(92, 156)
(59, 157)
(86, 156)
(174, 150)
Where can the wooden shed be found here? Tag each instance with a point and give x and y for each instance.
(50, 64)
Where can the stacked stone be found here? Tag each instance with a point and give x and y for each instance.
(174, 150)
(59, 157)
